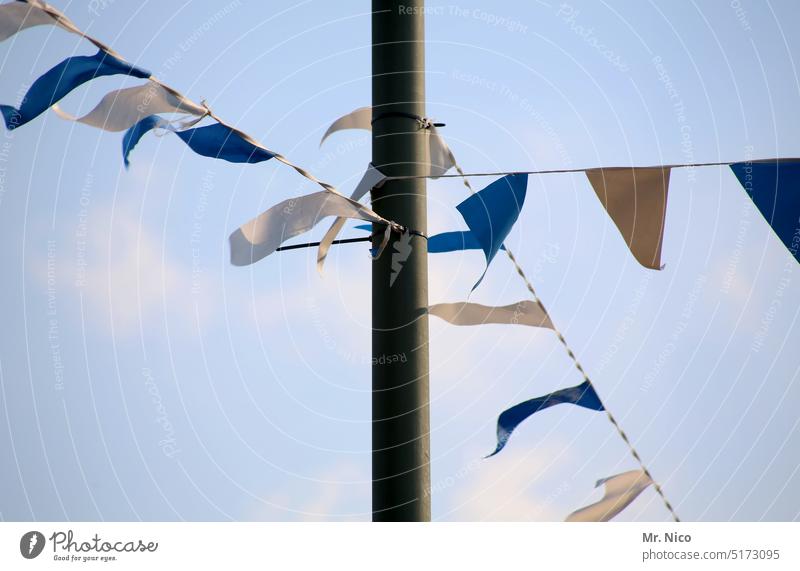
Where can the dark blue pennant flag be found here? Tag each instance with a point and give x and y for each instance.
(63, 78)
(446, 241)
(774, 187)
(217, 141)
(582, 395)
(492, 212)
(453, 242)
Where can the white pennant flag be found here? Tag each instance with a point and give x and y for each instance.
(524, 312)
(439, 155)
(122, 108)
(361, 118)
(636, 200)
(372, 178)
(621, 490)
(261, 236)
(18, 16)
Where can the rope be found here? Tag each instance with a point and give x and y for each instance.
(561, 171)
(569, 351)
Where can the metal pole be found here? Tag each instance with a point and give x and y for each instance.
(400, 394)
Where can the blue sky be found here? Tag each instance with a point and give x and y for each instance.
(143, 377)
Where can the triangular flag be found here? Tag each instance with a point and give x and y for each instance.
(524, 312)
(371, 179)
(216, 141)
(491, 212)
(774, 187)
(582, 395)
(122, 108)
(636, 200)
(18, 16)
(262, 235)
(63, 78)
(439, 155)
(620, 492)
(361, 118)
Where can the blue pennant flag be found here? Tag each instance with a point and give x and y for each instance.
(454, 242)
(774, 187)
(63, 78)
(132, 135)
(492, 212)
(217, 141)
(582, 395)
(446, 241)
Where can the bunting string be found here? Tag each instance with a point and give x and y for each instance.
(461, 174)
(558, 333)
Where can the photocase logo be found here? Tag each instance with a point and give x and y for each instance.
(31, 544)
(402, 250)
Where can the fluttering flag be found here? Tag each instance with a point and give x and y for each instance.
(524, 312)
(636, 200)
(620, 492)
(63, 78)
(262, 235)
(491, 212)
(361, 118)
(454, 242)
(372, 178)
(122, 108)
(774, 187)
(582, 395)
(18, 16)
(440, 157)
(217, 141)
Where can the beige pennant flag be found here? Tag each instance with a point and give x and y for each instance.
(439, 155)
(636, 200)
(524, 312)
(264, 234)
(372, 178)
(122, 108)
(620, 492)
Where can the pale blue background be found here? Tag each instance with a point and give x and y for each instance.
(261, 374)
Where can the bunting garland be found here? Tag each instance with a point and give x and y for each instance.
(635, 199)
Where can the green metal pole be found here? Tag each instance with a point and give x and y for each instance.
(400, 393)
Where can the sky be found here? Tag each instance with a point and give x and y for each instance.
(142, 377)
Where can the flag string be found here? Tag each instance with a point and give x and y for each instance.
(461, 174)
(563, 340)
